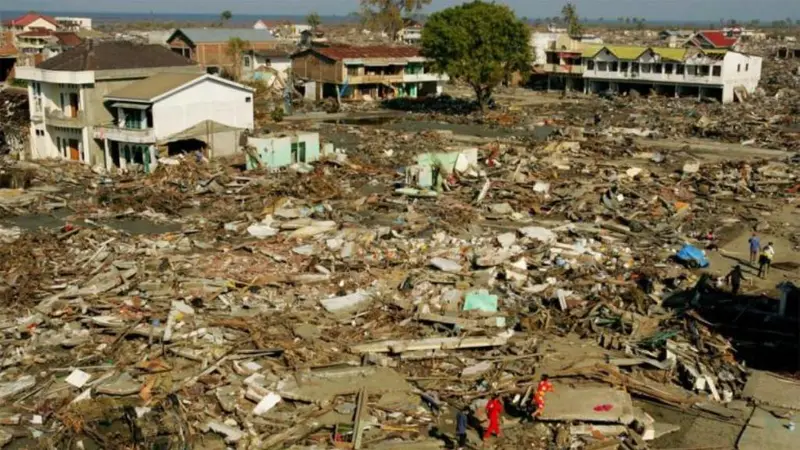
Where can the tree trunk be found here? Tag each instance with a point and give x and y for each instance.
(483, 94)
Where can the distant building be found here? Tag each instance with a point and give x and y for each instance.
(209, 46)
(31, 21)
(714, 73)
(66, 95)
(558, 58)
(714, 40)
(265, 64)
(360, 73)
(74, 23)
(46, 42)
(282, 28)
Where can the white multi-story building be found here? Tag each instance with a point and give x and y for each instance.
(690, 71)
(111, 103)
(74, 23)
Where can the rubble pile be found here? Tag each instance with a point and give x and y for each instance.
(206, 307)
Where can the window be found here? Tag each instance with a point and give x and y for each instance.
(691, 70)
(247, 99)
(590, 65)
(294, 152)
(302, 146)
(680, 69)
(602, 66)
(635, 67)
(133, 119)
(738, 67)
(246, 61)
(647, 68)
(668, 69)
(747, 67)
(353, 71)
(705, 71)
(717, 71)
(658, 68)
(623, 66)
(58, 145)
(614, 67)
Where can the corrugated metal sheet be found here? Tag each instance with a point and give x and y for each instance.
(216, 35)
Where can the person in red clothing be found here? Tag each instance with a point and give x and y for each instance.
(493, 410)
(544, 387)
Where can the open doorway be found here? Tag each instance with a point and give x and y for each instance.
(74, 150)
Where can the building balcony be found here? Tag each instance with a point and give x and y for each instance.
(375, 79)
(564, 69)
(69, 119)
(424, 77)
(644, 77)
(114, 132)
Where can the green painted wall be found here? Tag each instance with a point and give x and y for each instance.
(278, 151)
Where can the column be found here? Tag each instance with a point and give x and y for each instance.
(153, 160)
(87, 157)
(107, 153)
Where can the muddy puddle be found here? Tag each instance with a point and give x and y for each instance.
(58, 219)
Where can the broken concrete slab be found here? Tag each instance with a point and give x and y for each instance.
(765, 431)
(345, 303)
(401, 345)
(589, 404)
(322, 386)
(446, 265)
(768, 389)
(13, 388)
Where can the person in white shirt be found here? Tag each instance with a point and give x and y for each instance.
(765, 260)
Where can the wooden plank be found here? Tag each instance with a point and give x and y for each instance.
(358, 430)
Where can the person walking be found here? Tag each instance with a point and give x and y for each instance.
(542, 388)
(734, 278)
(493, 410)
(462, 420)
(765, 260)
(755, 247)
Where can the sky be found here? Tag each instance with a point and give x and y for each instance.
(742, 10)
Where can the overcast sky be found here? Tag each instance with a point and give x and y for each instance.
(609, 9)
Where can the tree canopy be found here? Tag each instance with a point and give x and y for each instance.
(225, 16)
(236, 48)
(387, 15)
(479, 43)
(313, 20)
(569, 14)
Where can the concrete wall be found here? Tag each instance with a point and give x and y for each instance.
(207, 100)
(275, 152)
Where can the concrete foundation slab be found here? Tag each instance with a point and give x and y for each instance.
(765, 431)
(767, 389)
(589, 404)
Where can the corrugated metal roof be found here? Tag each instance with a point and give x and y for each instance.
(626, 51)
(719, 39)
(216, 35)
(368, 52)
(670, 54)
(150, 88)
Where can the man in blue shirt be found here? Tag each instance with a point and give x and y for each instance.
(462, 419)
(755, 247)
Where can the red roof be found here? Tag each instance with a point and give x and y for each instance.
(373, 51)
(719, 39)
(29, 18)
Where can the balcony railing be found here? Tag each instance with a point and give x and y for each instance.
(115, 132)
(69, 118)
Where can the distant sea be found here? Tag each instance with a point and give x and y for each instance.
(237, 20)
(249, 19)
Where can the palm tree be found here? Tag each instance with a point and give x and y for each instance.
(236, 48)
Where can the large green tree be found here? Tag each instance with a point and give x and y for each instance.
(569, 14)
(236, 49)
(387, 15)
(479, 43)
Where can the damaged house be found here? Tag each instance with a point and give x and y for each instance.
(703, 73)
(365, 73)
(109, 104)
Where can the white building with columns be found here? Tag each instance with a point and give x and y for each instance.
(68, 96)
(716, 73)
